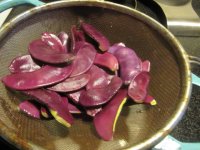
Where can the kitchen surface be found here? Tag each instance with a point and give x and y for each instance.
(184, 23)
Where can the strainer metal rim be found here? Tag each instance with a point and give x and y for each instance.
(11, 137)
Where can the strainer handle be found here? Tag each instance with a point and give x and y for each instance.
(186, 146)
(5, 4)
(195, 78)
(173, 144)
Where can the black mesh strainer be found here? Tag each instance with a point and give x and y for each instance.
(139, 126)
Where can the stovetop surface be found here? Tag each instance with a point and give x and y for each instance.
(188, 130)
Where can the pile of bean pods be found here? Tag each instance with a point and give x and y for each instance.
(79, 72)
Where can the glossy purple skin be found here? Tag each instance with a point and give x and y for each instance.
(104, 120)
(146, 65)
(100, 96)
(30, 109)
(103, 42)
(84, 60)
(43, 52)
(74, 96)
(98, 78)
(73, 109)
(53, 41)
(23, 64)
(71, 84)
(79, 45)
(64, 40)
(130, 64)
(107, 60)
(76, 36)
(44, 76)
(138, 87)
(54, 102)
(115, 47)
(93, 111)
